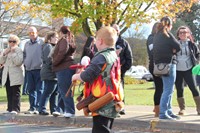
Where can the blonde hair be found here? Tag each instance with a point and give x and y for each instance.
(14, 38)
(108, 35)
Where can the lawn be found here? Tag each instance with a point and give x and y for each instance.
(142, 94)
(135, 94)
(3, 96)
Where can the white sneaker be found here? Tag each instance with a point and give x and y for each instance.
(14, 112)
(68, 115)
(56, 114)
(35, 112)
(29, 112)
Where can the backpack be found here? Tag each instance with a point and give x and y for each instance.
(109, 80)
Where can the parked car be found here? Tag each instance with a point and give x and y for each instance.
(148, 77)
(137, 72)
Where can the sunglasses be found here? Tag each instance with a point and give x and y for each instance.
(10, 41)
(183, 32)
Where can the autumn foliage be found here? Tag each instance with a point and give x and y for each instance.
(90, 15)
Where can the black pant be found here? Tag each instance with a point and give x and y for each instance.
(158, 89)
(122, 82)
(13, 96)
(102, 124)
(158, 86)
(189, 79)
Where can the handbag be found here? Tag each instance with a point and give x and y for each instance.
(162, 69)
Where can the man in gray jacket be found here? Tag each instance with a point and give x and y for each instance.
(33, 63)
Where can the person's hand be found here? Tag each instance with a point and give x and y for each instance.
(6, 51)
(74, 78)
(174, 51)
(12, 49)
(190, 37)
(118, 51)
(1, 66)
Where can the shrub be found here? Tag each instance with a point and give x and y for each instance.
(130, 80)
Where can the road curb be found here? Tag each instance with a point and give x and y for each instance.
(124, 124)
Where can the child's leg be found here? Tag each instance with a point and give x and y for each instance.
(102, 124)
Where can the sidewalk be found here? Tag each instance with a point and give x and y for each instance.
(136, 117)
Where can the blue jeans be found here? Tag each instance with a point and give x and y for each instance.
(60, 107)
(64, 81)
(24, 90)
(168, 89)
(34, 88)
(50, 94)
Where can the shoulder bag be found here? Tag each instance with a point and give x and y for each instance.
(162, 69)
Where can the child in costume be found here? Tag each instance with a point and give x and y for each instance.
(100, 67)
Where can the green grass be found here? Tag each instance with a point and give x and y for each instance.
(4, 99)
(142, 94)
(135, 94)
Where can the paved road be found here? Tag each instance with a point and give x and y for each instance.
(136, 118)
(19, 128)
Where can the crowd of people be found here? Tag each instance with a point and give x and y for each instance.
(183, 54)
(43, 69)
(48, 76)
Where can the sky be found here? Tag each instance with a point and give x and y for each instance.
(145, 29)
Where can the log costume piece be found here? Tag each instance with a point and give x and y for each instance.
(102, 101)
(85, 102)
(105, 92)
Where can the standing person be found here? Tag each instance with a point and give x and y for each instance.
(157, 80)
(103, 118)
(33, 64)
(63, 58)
(184, 68)
(89, 49)
(124, 51)
(49, 77)
(165, 48)
(12, 77)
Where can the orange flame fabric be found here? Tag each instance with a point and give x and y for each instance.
(98, 87)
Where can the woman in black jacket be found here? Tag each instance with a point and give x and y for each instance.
(185, 62)
(50, 81)
(157, 80)
(89, 49)
(165, 48)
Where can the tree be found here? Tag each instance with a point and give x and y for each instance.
(90, 15)
(191, 18)
(137, 43)
(17, 15)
